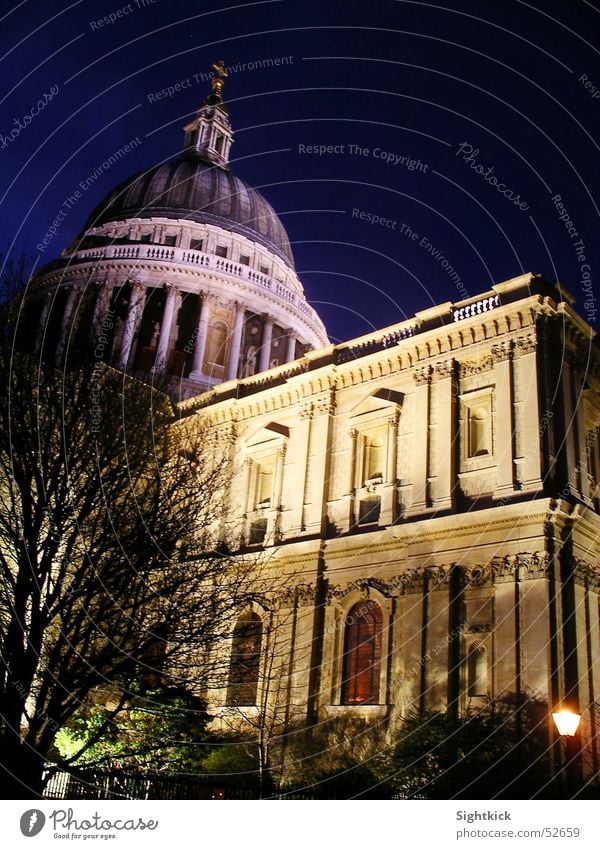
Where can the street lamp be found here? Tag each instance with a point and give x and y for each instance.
(567, 722)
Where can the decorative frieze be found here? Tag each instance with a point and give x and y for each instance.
(468, 367)
(520, 567)
(443, 370)
(587, 575)
(524, 345)
(479, 575)
(422, 375)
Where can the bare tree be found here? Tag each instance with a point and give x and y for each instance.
(265, 684)
(112, 548)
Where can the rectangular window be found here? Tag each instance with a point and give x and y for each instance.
(221, 251)
(264, 484)
(196, 244)
(170, 241)
(258, 532)
(244, 260)
(264, 269)
(369, 510)
(146, 238)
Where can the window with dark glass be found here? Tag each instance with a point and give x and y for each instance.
(245, 660)
(221, 251)
(369, 510)
(244, 259)
(258, 532)
(170, 241)
(196, 244)
(362, 655)
(477, 672)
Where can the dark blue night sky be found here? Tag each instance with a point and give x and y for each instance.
(461, 122)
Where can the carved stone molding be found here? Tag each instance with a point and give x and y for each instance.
(520, 567)
(422, 375)
(407, 583)
(324, 404)
(503, 570)
(532, 566)
(363, 585)
(524, 345)
(479, 575)
(485, 363)
(437, 577)
(443, 370)
(304, 593)
(587, 575)
(483, 628)
(500, 352)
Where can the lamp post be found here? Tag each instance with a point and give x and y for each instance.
(567, 722)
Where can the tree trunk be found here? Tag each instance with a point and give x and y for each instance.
(21, 769)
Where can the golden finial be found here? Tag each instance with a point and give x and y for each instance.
(219, 80)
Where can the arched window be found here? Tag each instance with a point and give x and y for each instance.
(245, 660)
(362, 655)
(477, 672)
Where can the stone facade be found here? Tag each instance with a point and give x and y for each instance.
(443, 473)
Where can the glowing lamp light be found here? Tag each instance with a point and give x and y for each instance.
(566, 722)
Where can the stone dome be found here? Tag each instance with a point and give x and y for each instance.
(198, 190)
(183, 268)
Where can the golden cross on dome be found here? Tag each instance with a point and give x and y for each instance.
(220, 68)
(219, 81)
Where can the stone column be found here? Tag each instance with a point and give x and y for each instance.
(201, 337)
(41, 330)
(236, 342)
(388, 491)
(517, 404)
(432, 452)
(290, 353)
(162, 349)
(265, 351)
(277, 492)
(136, 300)
(353, 479)
(66, 321)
